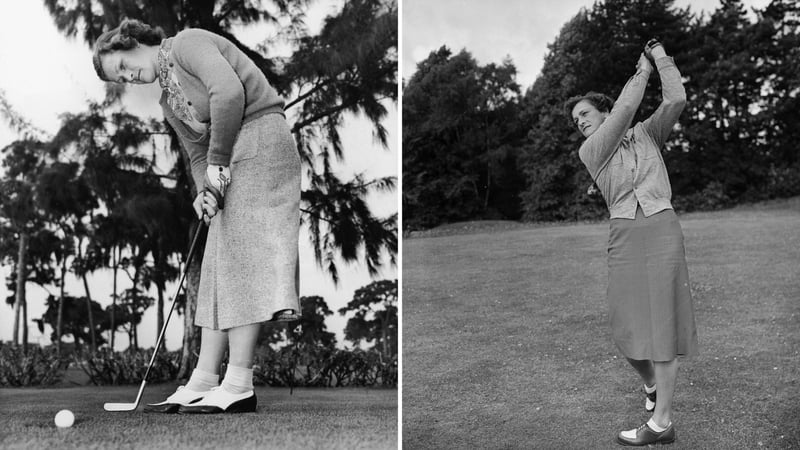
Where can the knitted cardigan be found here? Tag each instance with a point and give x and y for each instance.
(225, 89)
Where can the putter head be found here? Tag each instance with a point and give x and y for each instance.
(120, 406)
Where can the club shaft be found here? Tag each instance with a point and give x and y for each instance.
(171, 309)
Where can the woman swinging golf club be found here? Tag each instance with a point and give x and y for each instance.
(652, 317)
(246, 166)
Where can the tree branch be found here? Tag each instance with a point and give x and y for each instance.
(297, 126)
(309, 93)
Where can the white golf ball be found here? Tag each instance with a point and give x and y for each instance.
(65, 418)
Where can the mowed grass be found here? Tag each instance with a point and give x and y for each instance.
(308, 419)
(506, 342)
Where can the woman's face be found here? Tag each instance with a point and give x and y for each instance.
(134, 66)
(587, 118)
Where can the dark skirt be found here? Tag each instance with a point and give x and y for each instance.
(650, 302)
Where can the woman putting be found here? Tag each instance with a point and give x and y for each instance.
(246, 167)
(651, 311)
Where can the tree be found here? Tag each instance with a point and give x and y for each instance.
(461, 139)
(592, 52)
(731, 144)
(23, 161)
(375, 318)
(74, 320)
(349, 67)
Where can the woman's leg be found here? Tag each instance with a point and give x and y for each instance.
(205, 375)
(213, 344)
(645, 369)
(242, 342)
(666, 373)
(242, 346)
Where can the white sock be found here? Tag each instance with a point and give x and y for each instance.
(238, 380)
(650, 390)
(654, 426)
(202, 381)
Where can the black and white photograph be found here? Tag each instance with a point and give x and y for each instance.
(400, 224)
(198, 224)
(600, 221)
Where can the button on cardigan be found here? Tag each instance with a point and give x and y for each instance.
(225, 89)
(626, 164)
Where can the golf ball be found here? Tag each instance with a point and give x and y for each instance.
(65, 418)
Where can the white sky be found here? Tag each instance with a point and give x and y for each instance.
(47, 75)
(492, 30)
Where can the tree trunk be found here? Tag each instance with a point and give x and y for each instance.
(160, 312)
(92, 340)
(160, 286)
(22, 274)
(191, 333)
(24, 326)
(114, 262)
(59, 320)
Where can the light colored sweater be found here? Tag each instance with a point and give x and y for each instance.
(626, 163)
(225, 89)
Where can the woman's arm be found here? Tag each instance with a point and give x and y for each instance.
(660, 124)
(598, 148)
(201, 57)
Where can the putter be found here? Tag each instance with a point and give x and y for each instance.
(135, 404)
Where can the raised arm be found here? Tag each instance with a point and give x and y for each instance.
(673, 95)
(598, 148)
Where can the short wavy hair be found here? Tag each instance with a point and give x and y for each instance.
(129, 34)
(602, 102)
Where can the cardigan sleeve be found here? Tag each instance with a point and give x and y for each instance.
(201, 57)
(597, 149)
(673, 100)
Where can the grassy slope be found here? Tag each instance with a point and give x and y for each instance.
(308, 419)
(506, 342)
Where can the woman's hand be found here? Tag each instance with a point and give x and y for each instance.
(653, 49)
(205, 206)
(216, 182)
(644, 64)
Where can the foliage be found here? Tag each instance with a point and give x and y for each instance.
(324, 368)
(106, 367)
(735, 142)
(348, 68)
(460, 141)
(35, 367)
(75, 320)
(375, 316)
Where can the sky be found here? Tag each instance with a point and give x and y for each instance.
(50, 75)
(520, 29)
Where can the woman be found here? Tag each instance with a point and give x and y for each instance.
(246, 166)
(651, 311)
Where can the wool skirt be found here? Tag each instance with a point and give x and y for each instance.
(651, 311)
(250, 266)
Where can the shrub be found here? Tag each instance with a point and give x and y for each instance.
(106, 367)
(36, 367)
(322, 367)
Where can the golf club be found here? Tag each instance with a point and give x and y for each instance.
(135, 404)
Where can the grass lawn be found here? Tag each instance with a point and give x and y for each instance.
(347, 418)
(506, 342)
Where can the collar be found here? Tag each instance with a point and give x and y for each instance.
(163, 62)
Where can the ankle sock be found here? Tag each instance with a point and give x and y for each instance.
(650, 390)
(202, 381)
(238, 380)
(654, 426)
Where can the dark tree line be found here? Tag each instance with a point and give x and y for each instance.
(735, 141)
